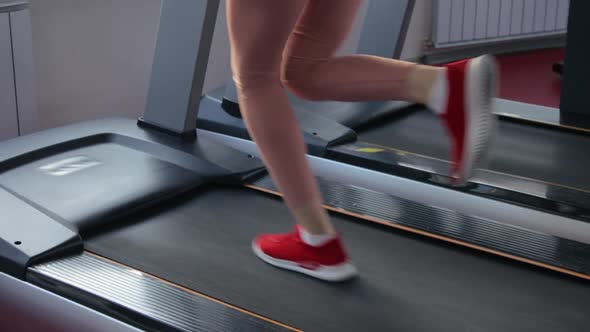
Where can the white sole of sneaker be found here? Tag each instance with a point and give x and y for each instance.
(334, 273)
(481, 87)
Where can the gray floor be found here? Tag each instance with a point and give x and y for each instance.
(523, 150)
(407, 283)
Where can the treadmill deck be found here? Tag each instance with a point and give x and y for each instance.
(522, 150)
(406, 282)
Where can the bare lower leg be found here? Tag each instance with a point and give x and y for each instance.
(279, 139)
(258, 30)
(420, 81)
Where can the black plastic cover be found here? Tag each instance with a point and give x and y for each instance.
(353, 114)
(92, 184)
(319, 132)
(558, 68)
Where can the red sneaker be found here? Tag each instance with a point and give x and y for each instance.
(327, 262)
(469, 116)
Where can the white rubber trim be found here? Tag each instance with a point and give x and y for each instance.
(335, 273)
(479, 113)
(527, 111)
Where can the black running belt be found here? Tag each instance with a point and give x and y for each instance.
(406, 283)
(523, 150)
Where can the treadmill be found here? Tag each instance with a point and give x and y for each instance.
(124, 225)
(532, 164)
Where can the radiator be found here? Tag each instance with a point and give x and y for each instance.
(465, 22)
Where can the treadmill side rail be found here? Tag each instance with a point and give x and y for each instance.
(488, 235)
(143, 300)
(27, 236)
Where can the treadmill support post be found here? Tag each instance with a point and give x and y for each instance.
(180, 63)
(576, 75)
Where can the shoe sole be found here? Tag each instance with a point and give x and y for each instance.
(481, 87)
(333, 273)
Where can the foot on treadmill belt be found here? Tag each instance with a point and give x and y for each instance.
(327, 262)
(469, 116)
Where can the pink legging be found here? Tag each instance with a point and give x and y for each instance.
(291, 44)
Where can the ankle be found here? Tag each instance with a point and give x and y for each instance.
(314, 219)
(439, 94)
(315, 240)
(422, 82)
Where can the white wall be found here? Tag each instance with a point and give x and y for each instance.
(93, 58)
(218, 69)
(418, 31)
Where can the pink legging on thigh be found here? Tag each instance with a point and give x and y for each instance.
(291, 43)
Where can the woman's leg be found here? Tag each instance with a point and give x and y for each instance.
(460, 93)
(258, 31)
(311, 71)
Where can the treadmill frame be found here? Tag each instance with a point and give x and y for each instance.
(325, 137)
(55, 272)
(328, 139)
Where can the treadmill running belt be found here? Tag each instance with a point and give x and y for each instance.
(406, 283)
(523, 150)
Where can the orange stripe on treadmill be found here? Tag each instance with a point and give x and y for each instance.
(194, 292)
(439, 237)
(558, 125)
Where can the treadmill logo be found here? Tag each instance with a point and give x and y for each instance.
(69, 166)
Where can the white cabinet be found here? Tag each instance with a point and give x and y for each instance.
(18, 99)
(8, 110)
